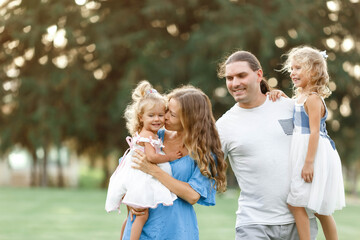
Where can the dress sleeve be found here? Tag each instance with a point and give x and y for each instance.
(204, 186)
(161, 134)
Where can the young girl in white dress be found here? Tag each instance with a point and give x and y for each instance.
(317, 182)
(134, 188)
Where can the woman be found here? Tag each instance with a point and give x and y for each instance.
(190, 128)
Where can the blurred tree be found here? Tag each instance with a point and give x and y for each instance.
(343, 43)
(68, 66)
(48, 77)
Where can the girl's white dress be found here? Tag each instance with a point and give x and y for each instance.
(326, 192)
(134, 187)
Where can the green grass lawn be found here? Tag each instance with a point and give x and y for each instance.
(54, 214)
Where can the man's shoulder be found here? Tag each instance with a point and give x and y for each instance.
(283, 104)
(283, 100)
(226, 116)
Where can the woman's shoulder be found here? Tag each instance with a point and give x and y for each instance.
(161, 134)
(166, 134)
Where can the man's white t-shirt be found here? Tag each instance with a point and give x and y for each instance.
(257, 142)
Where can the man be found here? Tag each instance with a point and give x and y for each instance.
(255, 134)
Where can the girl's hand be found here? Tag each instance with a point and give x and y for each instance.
(139, 158)
(179, 154)
(275, 94)
(175, 155)
(307, 172)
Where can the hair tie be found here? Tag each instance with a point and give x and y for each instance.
(323, 54)
(151, 91)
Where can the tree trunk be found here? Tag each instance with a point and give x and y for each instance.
(60, 171)
(354, 178)
(354, 185)
(44, 179)
(33, 175)
(105, 182)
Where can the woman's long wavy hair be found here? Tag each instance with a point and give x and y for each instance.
(201, 137)
(142, 96)
(315, 66)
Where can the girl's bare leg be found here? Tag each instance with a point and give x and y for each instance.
(329, 226)
(302, 222)
(138, 225)
(124, 223)
(123, 228)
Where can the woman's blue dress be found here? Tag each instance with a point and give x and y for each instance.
(177, 222)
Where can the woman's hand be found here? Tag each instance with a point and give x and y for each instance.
(142, 164)
(275, 94)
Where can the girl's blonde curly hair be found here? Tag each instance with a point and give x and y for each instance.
(313, 62)
(143, 96)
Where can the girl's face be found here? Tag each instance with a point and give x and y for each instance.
(153, 118)
(298, 75)
(172, 117)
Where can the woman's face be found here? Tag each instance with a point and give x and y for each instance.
(172, 116)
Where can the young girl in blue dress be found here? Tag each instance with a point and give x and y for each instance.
(144, 117)
(317, 182)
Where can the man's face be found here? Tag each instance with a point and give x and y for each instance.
(243, 83)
